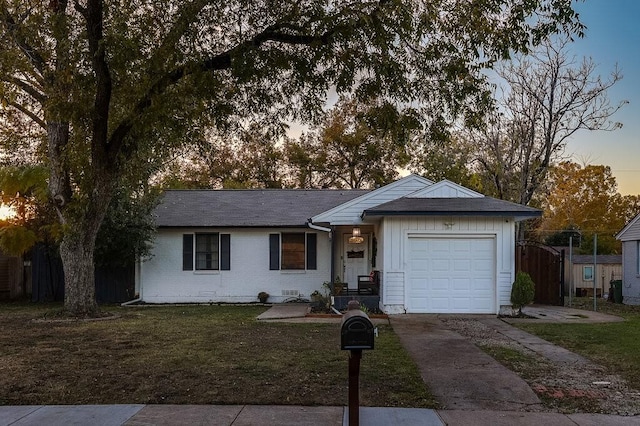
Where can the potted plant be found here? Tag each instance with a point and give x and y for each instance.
(263, 296)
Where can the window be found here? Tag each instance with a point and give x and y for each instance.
(212, 252)
(207, 252)
(292, 251)
(587, 273)
(638, 256)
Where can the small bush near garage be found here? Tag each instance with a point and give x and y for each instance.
(522, 291)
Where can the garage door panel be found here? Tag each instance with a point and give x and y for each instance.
(463, 265)
(461, 284)
(451, 275)
(440, 265)
(419, 285)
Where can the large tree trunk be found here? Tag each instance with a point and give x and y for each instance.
(77, 250)
(81, 219)
(79, 281)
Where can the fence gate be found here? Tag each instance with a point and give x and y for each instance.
(545, 265)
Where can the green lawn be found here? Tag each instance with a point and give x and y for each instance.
(193, 355)
(613, 345)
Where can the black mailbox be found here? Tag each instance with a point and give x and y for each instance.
(357, 331)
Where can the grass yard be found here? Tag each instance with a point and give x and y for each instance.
(192, 355)
(613, 345)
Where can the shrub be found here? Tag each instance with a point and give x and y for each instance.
(522, 291)
(263, 296)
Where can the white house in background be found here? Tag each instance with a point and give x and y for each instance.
(630, 237)
(439, 248)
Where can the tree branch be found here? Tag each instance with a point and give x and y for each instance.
(34, 58)
(218, 62)
(33, 116)
(26, 87)
(93, 16)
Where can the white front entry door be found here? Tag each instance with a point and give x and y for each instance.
(355, 260)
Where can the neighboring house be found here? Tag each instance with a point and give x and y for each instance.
(630, 237)
(439, 248)
(608, 268)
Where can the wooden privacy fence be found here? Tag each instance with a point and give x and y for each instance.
(545, 265)
(114, 284)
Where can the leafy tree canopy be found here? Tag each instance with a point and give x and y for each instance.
(115, 87)
(358, 145)
(585, 198)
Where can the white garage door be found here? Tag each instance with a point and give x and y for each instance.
(451, 275)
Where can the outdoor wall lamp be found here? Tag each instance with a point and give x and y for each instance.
(356, 237)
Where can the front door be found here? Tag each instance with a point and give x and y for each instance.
(355, 260)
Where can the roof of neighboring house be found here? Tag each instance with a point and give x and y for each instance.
(631, 231)
(247, 208)
(472, 206)
(601, 259)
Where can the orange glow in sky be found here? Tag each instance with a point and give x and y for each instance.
(5, 212)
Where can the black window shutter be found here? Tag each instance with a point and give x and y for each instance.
(274, 252)
(312, 251)
(187, 252)
(225, 252)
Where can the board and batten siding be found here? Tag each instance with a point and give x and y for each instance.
(161, 279)
(350, 212)
(395, 231)
(631, 272)
(630, 237)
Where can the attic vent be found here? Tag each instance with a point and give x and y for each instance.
(291, 293)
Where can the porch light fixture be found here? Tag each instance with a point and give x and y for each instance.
(356, 237)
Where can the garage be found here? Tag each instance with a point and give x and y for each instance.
(451, 275)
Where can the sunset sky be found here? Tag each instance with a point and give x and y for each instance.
(613, 36)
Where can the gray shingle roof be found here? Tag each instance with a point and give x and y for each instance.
(481, 206)
(247, 208)
(601, 259)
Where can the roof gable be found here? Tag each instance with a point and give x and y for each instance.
(445, 189)
(350, 212)
(630, 232)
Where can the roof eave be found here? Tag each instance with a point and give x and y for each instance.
(519, 215)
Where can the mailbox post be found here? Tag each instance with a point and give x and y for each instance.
(357, 333)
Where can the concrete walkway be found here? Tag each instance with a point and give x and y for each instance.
(285, 311)
(268, 415)
(561, 314)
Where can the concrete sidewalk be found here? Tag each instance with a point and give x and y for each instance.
(268, 415)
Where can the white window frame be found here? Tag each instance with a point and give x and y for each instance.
(216, 236)
(585, 268)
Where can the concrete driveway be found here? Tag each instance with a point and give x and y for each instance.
(458, 373)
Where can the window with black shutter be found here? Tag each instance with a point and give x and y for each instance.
(293, 251)
(212, 252)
